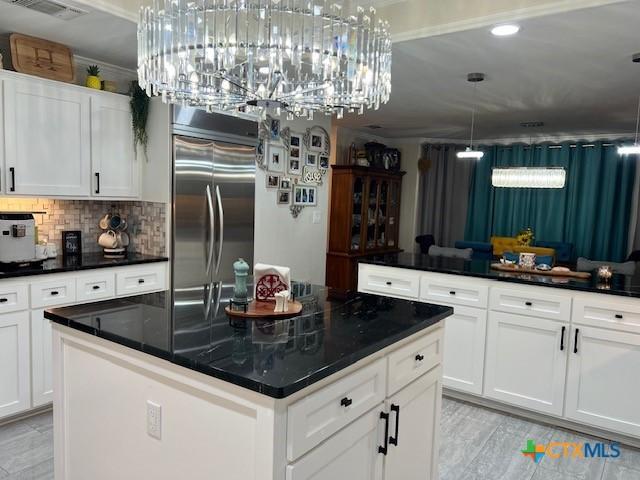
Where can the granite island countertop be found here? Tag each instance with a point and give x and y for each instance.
(86, 261)
(274, 357)
(622, 285)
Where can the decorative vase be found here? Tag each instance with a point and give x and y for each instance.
(94, 82)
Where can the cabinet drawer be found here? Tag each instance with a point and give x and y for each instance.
(389, 281)
(316, 417)
(140, 280)
(618, 314)
(13, 297)
(450, 289)
(534, 302)
(53, 292)
(95, 287)
(413, 360)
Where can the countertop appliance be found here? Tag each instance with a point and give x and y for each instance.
(17, 238)
(214, 169)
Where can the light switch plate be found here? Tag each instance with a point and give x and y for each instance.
(316, 217)
(154, 420)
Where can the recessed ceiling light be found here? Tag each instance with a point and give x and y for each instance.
(505, 30)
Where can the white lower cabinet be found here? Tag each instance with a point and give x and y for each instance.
(602, 386)
(15, 392)
(41, 355)
(414, 428)
(526, 361)
(353, 453)
(464, 342)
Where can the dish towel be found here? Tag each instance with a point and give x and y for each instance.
(269, 280)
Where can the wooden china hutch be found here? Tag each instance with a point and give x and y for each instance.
(364, 220)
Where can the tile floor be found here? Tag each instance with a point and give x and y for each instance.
(477, 444)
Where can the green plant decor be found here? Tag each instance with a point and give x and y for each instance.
(93, 70)
(139, 104)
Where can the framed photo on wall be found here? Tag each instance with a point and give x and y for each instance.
(284, 197)
(305, 195)
(276, 159)
(273, 181)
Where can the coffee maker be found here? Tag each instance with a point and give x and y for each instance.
(17, 238)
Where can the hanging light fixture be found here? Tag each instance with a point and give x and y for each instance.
(635, 148)
(523, 177)
(469, 152)
(297, 56)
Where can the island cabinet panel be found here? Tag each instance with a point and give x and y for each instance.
(15, 388)
(526, 361)
(414, 425)
(449, 289)
(602, 382)
(321, 414)
(391, 282)
(41, 359)
(464, 349)
(616, 314)
(352, 454)
(532, 301)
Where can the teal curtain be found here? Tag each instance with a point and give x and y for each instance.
(592, 211)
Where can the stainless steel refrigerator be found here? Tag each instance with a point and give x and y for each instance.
(213, 206)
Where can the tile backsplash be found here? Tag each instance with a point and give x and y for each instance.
(146, 221)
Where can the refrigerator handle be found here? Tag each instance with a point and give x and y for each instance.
(211, 230)
(221, 224)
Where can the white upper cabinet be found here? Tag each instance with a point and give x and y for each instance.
(113, 162)
(47, 135)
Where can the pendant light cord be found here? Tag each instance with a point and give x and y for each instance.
(638, 121)
(473, 112)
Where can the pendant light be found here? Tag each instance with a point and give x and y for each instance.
(469, 152)
(635, 148)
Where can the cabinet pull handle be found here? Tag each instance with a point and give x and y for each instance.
(96, 287)
(4, 300)
(383, 449)
(389, 283)
(528, 304)
(394, 440)
(419, 358)
(13, 179)
(619, 316)
(575, 341)
(562, 338)
(97, 182)
(54, 293)
(345, 402)
(141, 280)
(452, 292)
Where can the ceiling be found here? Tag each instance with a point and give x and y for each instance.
(572, 71)
(97, 35)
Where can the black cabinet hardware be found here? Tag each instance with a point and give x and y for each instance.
(345, 402)
(528, 304)
(384, 449)
(4, 300)
(419, 358)
(389, 283)
(562, 339)
(141, 280)
(13, 179)
(619, 317)
(394, 440)
(55, 292)
(452, 292)
(97, 182)
(575, 341)
(96, 287)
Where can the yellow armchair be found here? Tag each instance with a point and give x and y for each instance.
(510, 244)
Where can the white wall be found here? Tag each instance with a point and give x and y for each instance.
(298, 243)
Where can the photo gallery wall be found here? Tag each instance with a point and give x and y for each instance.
(295, 163)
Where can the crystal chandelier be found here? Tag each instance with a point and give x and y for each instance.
(295, 56)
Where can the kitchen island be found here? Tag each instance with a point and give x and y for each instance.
(559, 350)
(317, 396)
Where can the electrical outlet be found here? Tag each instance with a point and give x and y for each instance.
(154, 420)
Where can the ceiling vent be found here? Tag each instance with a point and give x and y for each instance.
(49, 7)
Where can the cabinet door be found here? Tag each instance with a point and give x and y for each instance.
(526, 361)
(47, 136)
(113, 162)
(358, 215)
(602, 386)
(41, 358)
(464, 342)
(350, 454)
(15, 394)
(414, 428)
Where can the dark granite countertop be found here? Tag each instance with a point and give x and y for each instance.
(85, 261)
(272, 357)
(623, 285)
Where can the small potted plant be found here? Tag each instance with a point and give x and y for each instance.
(93, 77)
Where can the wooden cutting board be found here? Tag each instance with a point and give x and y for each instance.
(42, 58)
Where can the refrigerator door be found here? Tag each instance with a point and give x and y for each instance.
(193, 221)
(234, 185)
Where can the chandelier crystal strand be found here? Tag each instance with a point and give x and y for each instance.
(250, 55)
